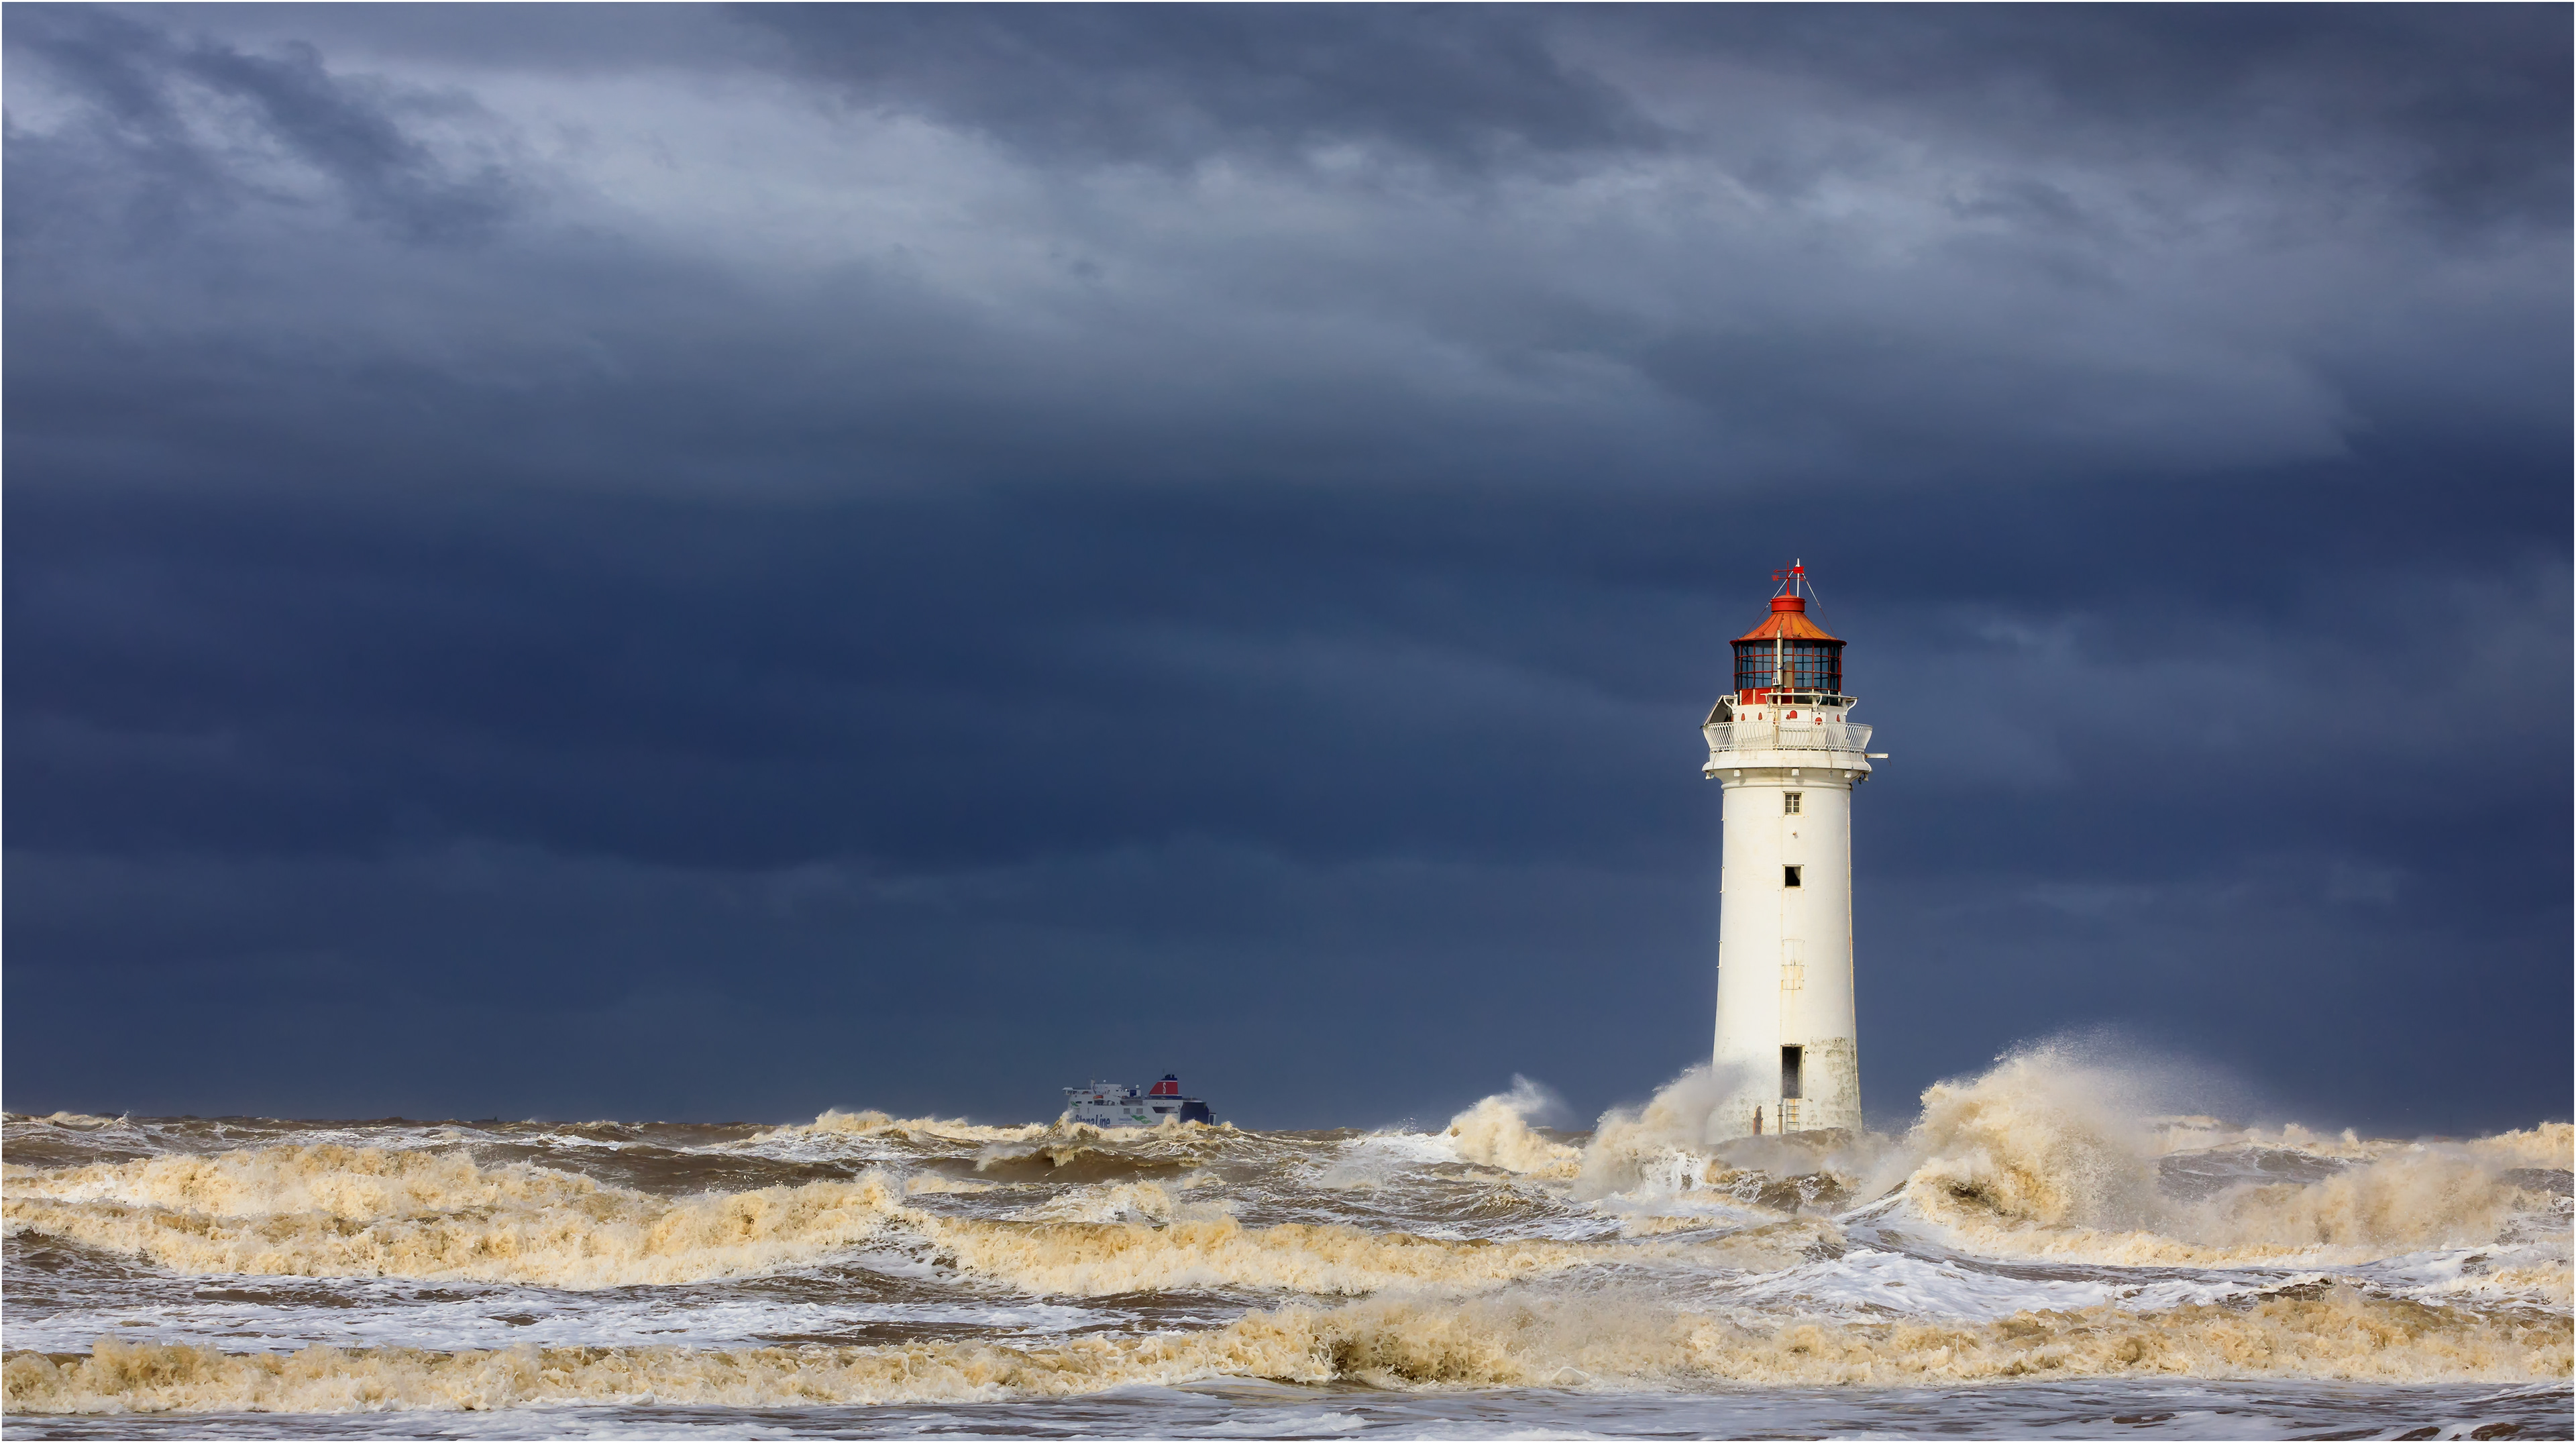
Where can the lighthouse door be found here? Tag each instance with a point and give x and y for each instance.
(1792, 1062)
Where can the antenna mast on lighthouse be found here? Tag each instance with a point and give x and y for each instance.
(1781, 743)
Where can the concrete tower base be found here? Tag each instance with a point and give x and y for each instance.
(1787, 1048)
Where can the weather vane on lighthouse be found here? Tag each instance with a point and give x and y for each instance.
(1784, 748)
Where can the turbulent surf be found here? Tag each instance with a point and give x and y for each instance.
(2029, 1258)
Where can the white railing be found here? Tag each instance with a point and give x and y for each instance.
(1787, 736)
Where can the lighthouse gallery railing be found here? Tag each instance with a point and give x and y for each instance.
(1786, 737)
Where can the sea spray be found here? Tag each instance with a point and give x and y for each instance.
(2038, 1156)
(1501, 1131)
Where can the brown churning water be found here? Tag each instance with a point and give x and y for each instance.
(2026, 1230)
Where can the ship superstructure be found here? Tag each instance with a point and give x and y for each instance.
(1783, 745)
(1117, 1104)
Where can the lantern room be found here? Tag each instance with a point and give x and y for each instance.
(1788, 658)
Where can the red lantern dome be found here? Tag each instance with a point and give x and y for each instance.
(1788, 656)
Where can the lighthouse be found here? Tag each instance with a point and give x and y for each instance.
(1784, 748)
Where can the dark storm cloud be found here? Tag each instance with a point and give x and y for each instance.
(1139, 82)
(2014, 324)
(819, 541)
(170, 142)
(2462, 113)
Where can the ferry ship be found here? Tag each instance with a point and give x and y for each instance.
(1116, 1104)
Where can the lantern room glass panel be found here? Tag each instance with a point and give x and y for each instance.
(1815, 666)
(1752, 665)
(1812, 666)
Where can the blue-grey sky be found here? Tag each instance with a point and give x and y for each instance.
(671, 562)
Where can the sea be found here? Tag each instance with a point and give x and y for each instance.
(2031, 1258)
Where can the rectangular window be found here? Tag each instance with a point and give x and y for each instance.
(1790, 802)
(1789, 877)
(1792, 1063)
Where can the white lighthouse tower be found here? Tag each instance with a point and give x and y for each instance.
(1782, 745)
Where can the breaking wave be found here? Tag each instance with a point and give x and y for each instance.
(1489, 1342)
(2044, 1156)
(1499, 1132)
(871, 1123)
(2038, 1158)
(1666, 1143)
(344, 1212)
(363, 1212)
(72, 1121)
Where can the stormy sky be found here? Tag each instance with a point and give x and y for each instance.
(713, 563)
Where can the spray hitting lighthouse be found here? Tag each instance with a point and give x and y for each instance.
(1783, 746)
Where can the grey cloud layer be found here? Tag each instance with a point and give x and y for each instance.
(1904, 308)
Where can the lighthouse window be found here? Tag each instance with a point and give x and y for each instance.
(1789, 802)
(1789, 877)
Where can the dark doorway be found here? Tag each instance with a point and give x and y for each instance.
(1791, 1059)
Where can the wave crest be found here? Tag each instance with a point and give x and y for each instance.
(868, 1122)
(361, 1212)
(2038, 1157)
(347, 1212)
(1498, 1132)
